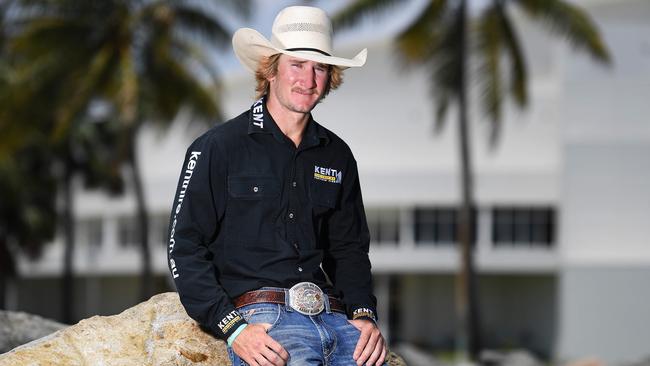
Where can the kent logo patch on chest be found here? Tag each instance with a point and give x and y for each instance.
(327, 174)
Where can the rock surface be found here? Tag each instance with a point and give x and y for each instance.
(155, 332)
(18, 328)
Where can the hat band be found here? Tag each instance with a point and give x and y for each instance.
(308, 49)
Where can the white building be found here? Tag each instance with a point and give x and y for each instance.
(563, 233)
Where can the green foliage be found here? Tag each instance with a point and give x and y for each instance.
(27, 207)
(142, 60)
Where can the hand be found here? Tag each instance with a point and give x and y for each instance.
(256, 347)
(371, 347)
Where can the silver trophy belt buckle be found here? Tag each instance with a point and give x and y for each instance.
(307, 298)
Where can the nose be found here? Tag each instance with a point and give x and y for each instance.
(309, 77)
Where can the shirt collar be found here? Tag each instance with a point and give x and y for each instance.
(260, 121)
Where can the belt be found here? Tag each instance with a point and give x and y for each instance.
(278, 297)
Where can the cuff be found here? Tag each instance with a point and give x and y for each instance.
(229, 324)
(363, 312)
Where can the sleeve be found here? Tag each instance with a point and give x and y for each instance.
(346, 261)
(197, 210)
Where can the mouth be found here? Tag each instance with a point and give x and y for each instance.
(305, 92)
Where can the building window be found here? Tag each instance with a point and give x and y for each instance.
(523, 225)
(92, 232)
(128, 232)
(439, 225)
(383, 224)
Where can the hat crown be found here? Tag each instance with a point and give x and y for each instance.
(302, 27)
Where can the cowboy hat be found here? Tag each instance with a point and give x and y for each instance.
(299, 31)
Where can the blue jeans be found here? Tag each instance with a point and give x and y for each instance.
(324, 339)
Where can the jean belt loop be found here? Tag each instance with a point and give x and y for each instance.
(327, 304)
(287, 305)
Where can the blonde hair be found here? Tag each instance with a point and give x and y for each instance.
(268, 68)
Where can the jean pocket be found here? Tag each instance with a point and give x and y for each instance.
(262, 313)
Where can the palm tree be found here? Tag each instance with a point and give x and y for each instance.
(27, 209)
(33, 165)
(27, 99)
(439, 39)
(145, 59)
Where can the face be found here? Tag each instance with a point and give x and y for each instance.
(299, 83)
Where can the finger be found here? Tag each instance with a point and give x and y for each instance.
(361, 344)
(266, 326)
(382, 357)
(277, 348)
(374, 356)
(369, 348)
(273, 357)
(261, 360)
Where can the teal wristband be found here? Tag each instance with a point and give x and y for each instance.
(235, 334)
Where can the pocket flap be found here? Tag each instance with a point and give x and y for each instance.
(253, 187)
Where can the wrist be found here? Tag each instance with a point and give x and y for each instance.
(234, 334)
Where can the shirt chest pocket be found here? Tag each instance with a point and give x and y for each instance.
(251, 208)
(324, 195)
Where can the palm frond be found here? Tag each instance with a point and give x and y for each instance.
(496, 37)
(201, 25)
(447, 62)
(417, 42)
(187, 19)
(489, 34)
(447, 65)
(80, 87)
(571, 22)
(175, 86)
(191, 54)
(358, 9)
(39, 35)
(127, 96)
(442, 106)
(519, 78)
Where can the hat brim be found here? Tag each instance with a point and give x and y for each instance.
(250, 46)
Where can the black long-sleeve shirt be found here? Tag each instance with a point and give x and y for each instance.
(252, 210)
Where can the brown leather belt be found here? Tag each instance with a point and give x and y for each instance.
(277, 297)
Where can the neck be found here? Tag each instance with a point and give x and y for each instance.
(292, 124)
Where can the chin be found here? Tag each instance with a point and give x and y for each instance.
(304, 107)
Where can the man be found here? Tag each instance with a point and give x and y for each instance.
(268, 238)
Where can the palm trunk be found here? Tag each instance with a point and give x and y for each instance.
(466, 297)
(6, 271)
(67, 287)
(146, 282)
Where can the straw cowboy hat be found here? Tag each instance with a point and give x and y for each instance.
(299, 31)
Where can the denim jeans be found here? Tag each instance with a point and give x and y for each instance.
(324, 339)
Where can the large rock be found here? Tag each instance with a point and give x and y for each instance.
(18, 328)
(155, 332)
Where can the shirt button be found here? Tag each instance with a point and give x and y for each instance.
(291, 215)
(293, 184)
(299, 269)
(255, 189)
